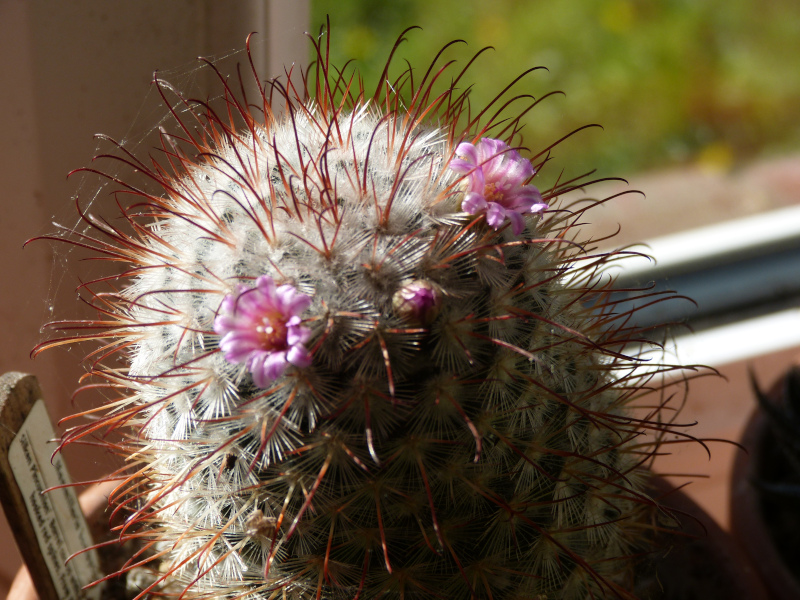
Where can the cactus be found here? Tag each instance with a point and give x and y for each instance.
(355, 352)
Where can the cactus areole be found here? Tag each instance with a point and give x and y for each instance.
(357, 351)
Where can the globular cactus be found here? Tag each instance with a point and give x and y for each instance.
(357, 353)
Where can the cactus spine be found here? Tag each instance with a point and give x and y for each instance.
(361, 357)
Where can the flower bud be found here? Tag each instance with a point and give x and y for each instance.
(418, 301)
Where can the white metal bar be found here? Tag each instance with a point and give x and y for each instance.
(739, 341)
(715, 242)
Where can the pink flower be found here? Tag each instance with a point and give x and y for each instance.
(497, 176)
(261, 327)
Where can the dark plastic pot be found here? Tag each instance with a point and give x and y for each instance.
(702, 563)
(754, 516)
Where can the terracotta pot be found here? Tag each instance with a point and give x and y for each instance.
(749, 505)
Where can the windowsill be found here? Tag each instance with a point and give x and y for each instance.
(681, 216)
(685, 198)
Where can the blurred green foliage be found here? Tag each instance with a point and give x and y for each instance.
(671, 81)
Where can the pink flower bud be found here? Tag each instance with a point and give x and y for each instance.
(418, 301)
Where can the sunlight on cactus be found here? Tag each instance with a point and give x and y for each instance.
(357, 353)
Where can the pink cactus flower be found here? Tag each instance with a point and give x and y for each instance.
(497, 176)
(261, 327)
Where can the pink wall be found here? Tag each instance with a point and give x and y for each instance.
(70, 70)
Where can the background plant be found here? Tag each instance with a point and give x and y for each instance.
(674, 82)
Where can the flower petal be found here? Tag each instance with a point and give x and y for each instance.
(474, 203)
(495, 215)
(266, 367)
(517, 222)
(297, 334)
(298, 356)
(292, 302)
(461, 166)
(469, 151)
